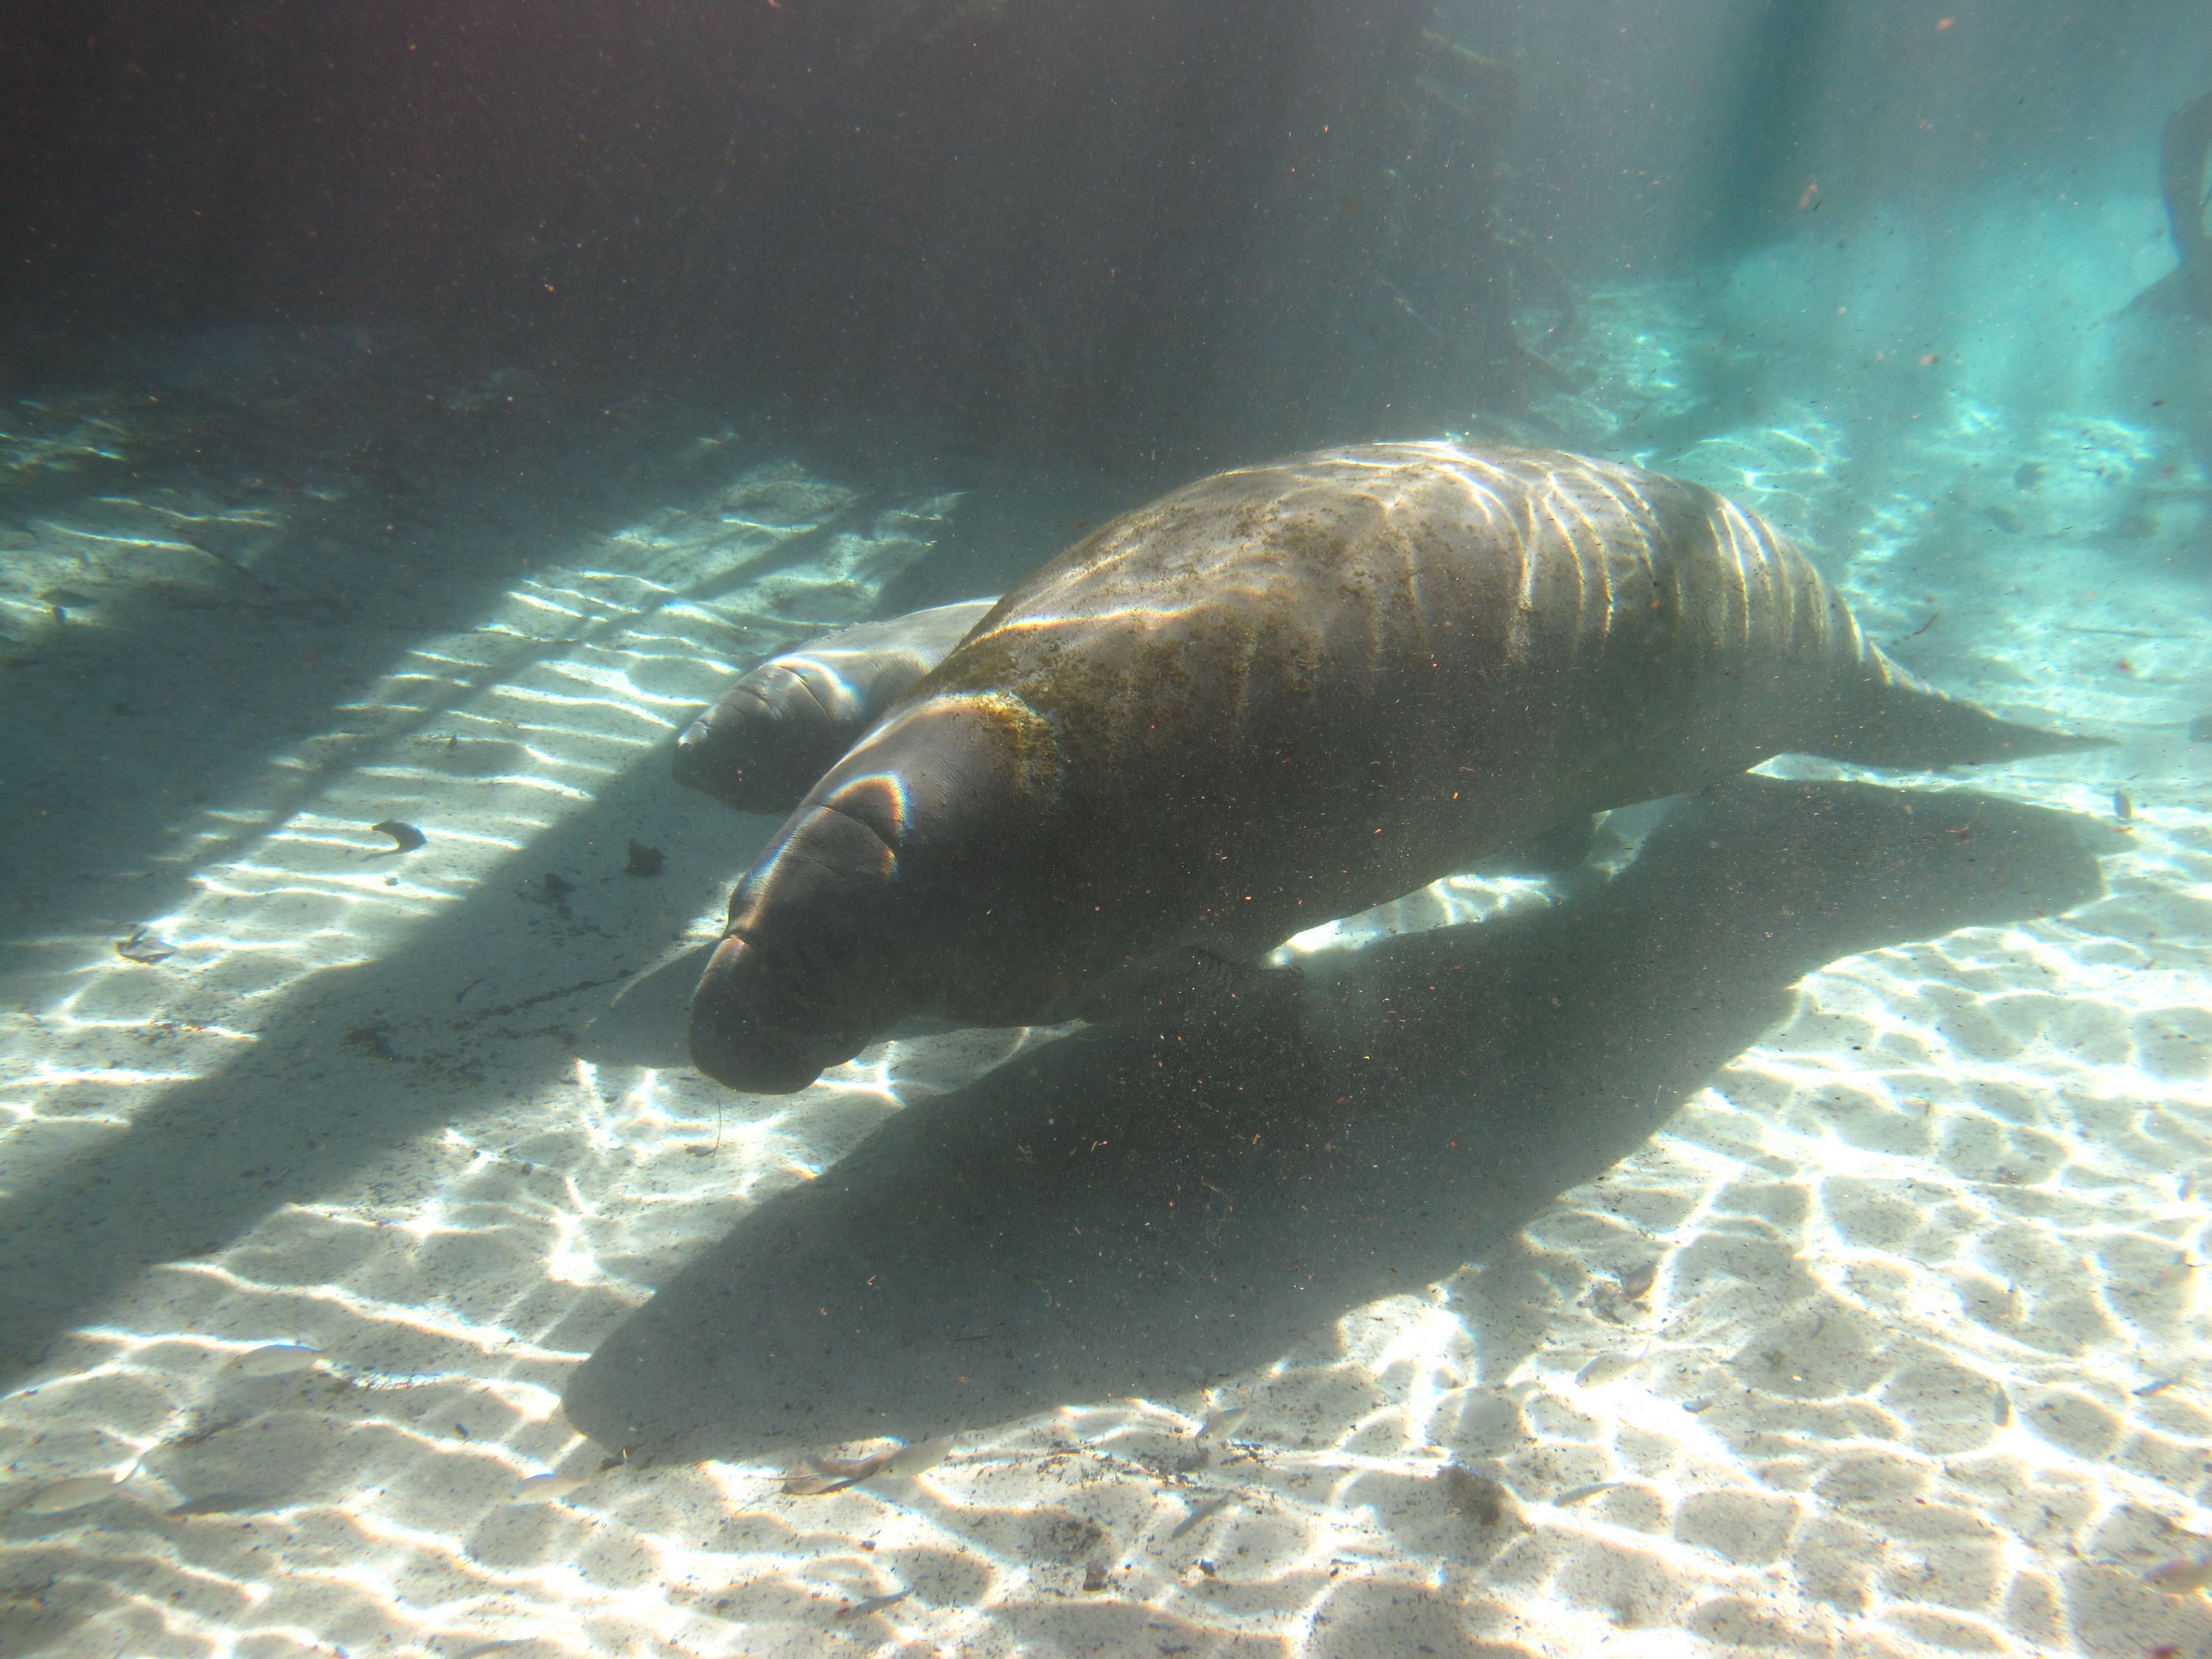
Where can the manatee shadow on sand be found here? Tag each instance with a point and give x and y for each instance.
(1141, 1212)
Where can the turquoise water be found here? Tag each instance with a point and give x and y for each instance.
(1830, 1281)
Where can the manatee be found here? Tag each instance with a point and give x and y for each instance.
(1279, 696)
(2184, 158)
(782, 726)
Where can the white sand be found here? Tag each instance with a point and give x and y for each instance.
(1922, 1367)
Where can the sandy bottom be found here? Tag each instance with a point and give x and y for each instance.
(1791, 1247)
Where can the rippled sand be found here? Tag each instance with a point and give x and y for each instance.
(1797, 1244)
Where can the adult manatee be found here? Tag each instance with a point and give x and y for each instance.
(766, 740)
(1279, 695)
(2184, 158)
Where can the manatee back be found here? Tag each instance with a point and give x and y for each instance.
(1508, 602)
(1755, 652)
(1331, 679)
(780, 726)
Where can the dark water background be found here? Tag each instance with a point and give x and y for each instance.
(1100, 232)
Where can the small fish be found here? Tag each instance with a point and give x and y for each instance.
(852, 1468)
(66, 1495)
(2159, 1387)
(873, 1604)
(545, 1488)
(921, 1455)
(1222, 1424)
(2182, 1578)
(1094, 1577)
(67, 598)
(223, 1502)
(1606, 1368)
(1201, 1512)
(2001, 1408)
(836, 1473)
(142, 946)
(2124, 807)
(1578, 1494)
(2200, 729)
(278, 1359)
(1636, 1284)
(405, 837)
(645, 860)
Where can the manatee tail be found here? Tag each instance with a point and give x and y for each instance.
(1898, 720)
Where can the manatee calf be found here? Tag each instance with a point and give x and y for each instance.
(766, 740)
(1279, 696)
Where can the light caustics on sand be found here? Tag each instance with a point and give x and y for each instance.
(485, 740)
(1893, 1336)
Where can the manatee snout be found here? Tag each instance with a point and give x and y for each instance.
(801, 981)
(698, 755)
(749, 1031)
(761, 746)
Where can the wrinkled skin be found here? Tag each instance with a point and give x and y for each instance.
(1279, 696)
(767, 739)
